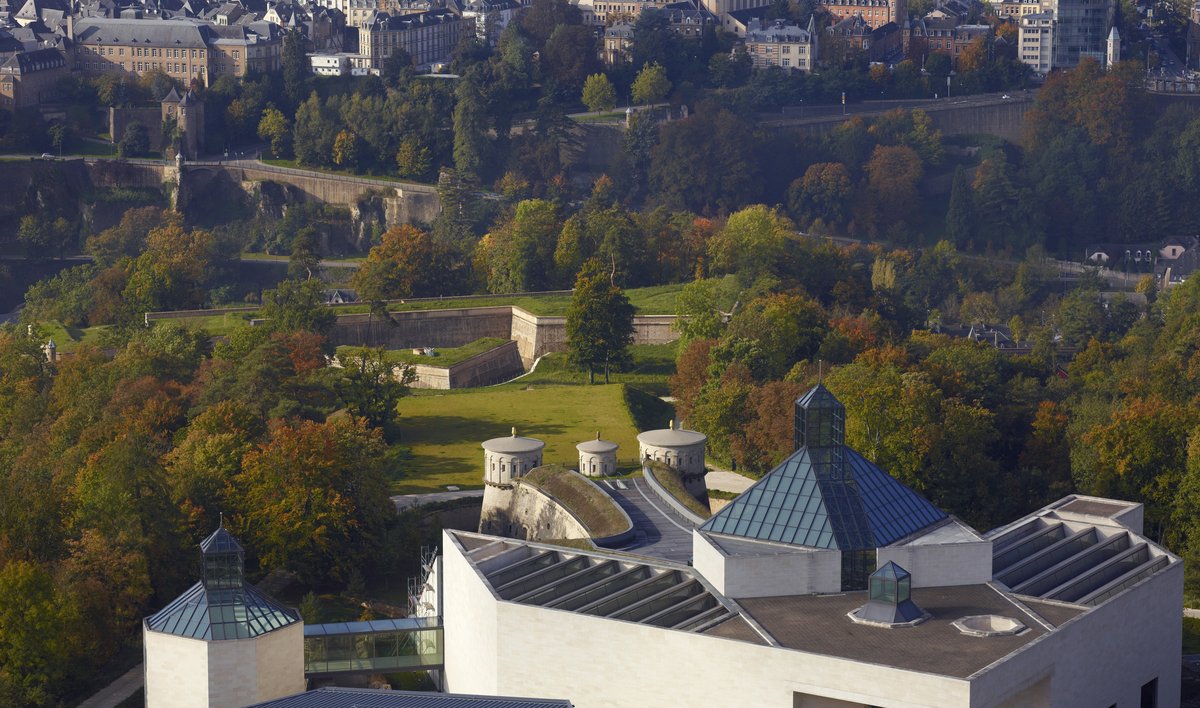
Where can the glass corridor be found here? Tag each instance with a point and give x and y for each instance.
(409, 644)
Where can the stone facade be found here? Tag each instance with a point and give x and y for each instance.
(597, 457)
(525, 512)
(491, 367)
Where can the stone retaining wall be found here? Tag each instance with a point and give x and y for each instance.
(534, 335)
(491, 367)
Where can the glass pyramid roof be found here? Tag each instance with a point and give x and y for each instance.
(235, 613)
(220, 541)
(826, 497)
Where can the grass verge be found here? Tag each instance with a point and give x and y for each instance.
(670, 480)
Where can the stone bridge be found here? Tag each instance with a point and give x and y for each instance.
(404, 202)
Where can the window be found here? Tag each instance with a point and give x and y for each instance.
(1150, 693)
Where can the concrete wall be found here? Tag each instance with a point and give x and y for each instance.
(535, 335)
(935, 565)
(525, 512)
(778, 571)
(244, 671)
(491, 367)
(1104, 657)
(426, 328)
(176, 671)
(471, 642)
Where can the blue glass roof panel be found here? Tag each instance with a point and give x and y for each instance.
(842, 501)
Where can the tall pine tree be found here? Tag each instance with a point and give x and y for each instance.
(599, 322)
(960, 217)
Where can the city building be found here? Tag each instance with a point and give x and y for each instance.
(428, 37)
(783, 45)
(827, 583)
(1074, 29)
(854, 35)
(29, 78)
(330, 64)
(941, 33)
(186, 50)
(1035, 45)
(491, 17)
(874, 12)
(179, 49)
(618, 39)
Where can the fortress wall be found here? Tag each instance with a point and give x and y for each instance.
(491, 367)
(525, 512)
(425, 328)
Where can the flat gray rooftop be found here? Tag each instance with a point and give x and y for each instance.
(818, 624)
(1093, 507)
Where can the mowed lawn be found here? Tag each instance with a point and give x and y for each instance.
(441, 434)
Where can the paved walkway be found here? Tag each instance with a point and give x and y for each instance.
(408, 501)
(111, 695)
(661, 533)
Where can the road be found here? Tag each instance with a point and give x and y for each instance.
(661, 533)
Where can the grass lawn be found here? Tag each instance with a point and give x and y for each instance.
(657, 300)
(216, 325)
(68, 339)
(1191, 635)
(441, 434)
(444, 357)
(652, 365)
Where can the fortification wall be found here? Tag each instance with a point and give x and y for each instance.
(524, 512)
(534, 335)
(491, 367)
(425, 328)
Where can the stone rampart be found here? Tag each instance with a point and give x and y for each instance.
(535, 335)
(525, 512)
(491, 367)
(423, 328)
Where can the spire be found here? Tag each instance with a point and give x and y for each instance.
(223, 560)
(820, 419)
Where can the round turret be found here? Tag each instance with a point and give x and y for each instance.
(679, 448)
(597, 457)
(506, 458)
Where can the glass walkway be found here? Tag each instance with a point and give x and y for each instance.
(408, 644)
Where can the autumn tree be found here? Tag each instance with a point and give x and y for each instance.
(275, 128)
(599, 322)
(651, 84)
(892, 201)
(598, 93)
(297, 305)
(372, 385)
(518, 255)
(314, 499)
(407, 262)
(823, 195)
(751, 242)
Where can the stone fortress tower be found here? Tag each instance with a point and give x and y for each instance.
(679, 448)
(597, 458)
(507, 458)
(222, 643)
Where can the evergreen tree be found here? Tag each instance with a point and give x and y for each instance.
(470, 140)
(599, 322)
(960, 217)
(295, 67)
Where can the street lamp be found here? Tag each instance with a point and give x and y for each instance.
(948, 76)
